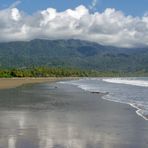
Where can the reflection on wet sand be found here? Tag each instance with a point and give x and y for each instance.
(48, 129)
(45, 116)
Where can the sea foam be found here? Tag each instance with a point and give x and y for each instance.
(128, 81)
(117, 91)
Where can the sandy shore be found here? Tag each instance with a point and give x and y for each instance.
(59, 115)
(6, 83)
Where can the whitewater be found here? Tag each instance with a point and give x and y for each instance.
(132, 91)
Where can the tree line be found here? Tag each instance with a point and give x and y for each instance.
(64, 72)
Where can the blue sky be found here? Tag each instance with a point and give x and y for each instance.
(129, 7)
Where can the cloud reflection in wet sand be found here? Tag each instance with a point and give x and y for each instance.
(48, 129)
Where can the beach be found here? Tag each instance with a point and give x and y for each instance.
(6, 83)
(56, 115)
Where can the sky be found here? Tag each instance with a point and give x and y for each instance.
(121, 23)
(129, 7)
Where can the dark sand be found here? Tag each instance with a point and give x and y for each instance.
(63, 116)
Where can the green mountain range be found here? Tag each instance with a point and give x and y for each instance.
(72, 53)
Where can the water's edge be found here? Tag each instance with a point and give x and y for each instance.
(138, 110)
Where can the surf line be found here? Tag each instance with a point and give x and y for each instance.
(132, 105)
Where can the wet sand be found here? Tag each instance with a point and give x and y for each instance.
(6, 83)
(63, 116)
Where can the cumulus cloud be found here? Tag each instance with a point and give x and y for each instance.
(110, 27)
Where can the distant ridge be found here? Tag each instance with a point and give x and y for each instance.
(72, 53)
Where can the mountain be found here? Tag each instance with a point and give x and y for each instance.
(72, 53)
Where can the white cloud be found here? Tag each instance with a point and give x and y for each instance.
(110, 27)
(15, 14)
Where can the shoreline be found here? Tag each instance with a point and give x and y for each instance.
(66, 113)
(7, 83)
(137, 109)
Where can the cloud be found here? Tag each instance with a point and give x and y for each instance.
(110, 27)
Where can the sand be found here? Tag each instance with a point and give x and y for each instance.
(6, 83)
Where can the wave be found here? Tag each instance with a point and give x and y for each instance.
(142, 83)
(140, 107)
(89, 85)
(141, 112)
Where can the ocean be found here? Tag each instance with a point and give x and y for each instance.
(129, 90)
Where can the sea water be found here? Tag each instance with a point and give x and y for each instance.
(133, 91)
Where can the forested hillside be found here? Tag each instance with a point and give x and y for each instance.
(73, 54)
